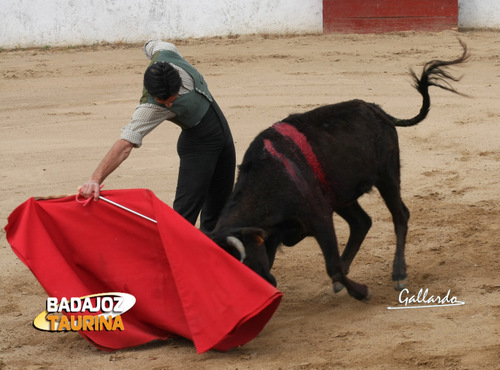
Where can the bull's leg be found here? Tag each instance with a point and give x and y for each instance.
(389, 189)
(359, 224)
(271, 247)
(325, 235)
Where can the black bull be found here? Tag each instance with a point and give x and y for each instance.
(296, 173)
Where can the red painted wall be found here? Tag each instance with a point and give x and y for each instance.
(376, 16)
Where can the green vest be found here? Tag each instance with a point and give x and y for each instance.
(191, 107)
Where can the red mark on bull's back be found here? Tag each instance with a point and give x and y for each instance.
(290, 167)
(291, 133)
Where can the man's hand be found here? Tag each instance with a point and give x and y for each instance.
(91, 188)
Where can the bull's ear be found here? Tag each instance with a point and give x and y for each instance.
(256, 234)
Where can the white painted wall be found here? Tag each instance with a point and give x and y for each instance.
(73, 22)
(479, 14)
(25, 23)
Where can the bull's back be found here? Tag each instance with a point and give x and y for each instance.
(350, 139)
(279, 175)
(346, 118)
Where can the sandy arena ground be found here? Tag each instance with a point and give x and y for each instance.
(62, 109)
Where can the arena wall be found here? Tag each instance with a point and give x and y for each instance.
(68, 22)
(63, 22)
(474, 14)
(361, 16)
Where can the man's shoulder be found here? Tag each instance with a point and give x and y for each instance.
(166, 56)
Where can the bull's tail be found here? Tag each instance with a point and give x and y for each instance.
(433, 74)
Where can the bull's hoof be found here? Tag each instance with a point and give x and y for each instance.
(337, 286)
(368, 297)
(400, 284)
(362, 293)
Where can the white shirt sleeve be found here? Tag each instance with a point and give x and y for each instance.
(152, 46)
(145, 118)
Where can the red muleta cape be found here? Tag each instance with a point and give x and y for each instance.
(185, 285)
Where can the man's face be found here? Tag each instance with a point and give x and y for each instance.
(167, 102)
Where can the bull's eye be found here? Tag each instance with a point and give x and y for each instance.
(260, 240)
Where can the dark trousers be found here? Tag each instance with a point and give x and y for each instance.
(207, 169)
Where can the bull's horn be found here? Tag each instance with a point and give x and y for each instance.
(235, 242)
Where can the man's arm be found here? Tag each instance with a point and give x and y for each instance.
(117, 154)
(152, 46)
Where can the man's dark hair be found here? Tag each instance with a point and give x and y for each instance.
(162, 80)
